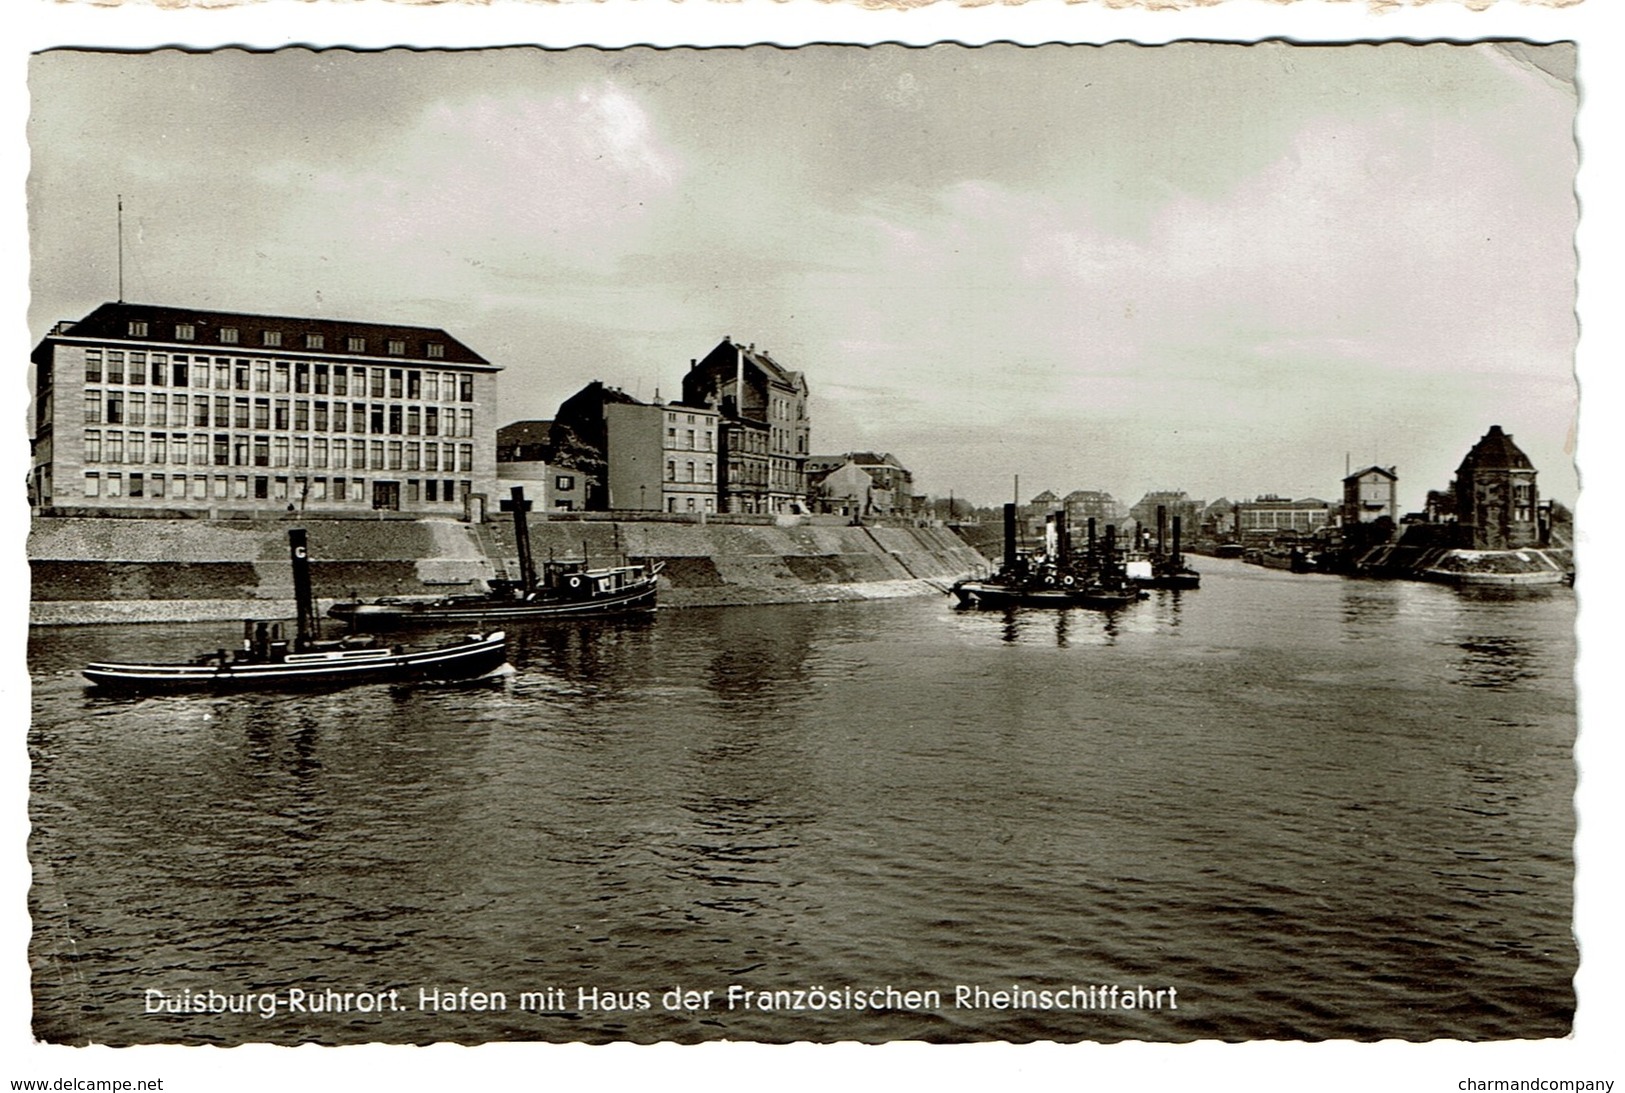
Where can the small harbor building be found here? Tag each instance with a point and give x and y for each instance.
(169, 410)
(1371, 495)
(525, 458)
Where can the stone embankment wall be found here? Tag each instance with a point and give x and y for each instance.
(107, 570)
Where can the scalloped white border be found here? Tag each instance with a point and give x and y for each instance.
(1590, 1053)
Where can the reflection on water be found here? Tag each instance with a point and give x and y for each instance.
(1319, 808)
(1495, 661)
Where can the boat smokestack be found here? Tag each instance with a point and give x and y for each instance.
(1009, 535)
(1176, 540)
(1090, 557)
(521, 538)
(1162, 530)
(1063, 539)
(299, 555)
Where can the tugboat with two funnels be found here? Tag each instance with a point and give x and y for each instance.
(1164, 568)
(267, 659)
(565, 590)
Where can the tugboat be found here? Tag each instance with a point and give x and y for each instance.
(267, 659)
(565, 590)
(1164, 568)
(1052, 577)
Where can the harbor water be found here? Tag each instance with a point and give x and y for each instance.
(1300, 807)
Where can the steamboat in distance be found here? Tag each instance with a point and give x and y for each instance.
(1104, 577)
(563, 590)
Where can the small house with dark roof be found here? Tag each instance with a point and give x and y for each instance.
(525, 459)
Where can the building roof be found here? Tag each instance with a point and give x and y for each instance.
(1388, 471)
(774, 370)
(1270, 500)
(862, 459)
(524, 434)
(112, 321)
(1495, 451)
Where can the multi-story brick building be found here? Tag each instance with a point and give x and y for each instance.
(765, 431)
(156, 409)
(1097, 505)
(662, 457)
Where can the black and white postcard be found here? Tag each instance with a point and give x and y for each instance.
(923, 536)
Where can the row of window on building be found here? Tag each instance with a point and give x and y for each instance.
(705, 436)
(284, 488)
(273, 339)
(689, 472)
(691, 504)
(116, 446)
(119, 407)
(138, 368)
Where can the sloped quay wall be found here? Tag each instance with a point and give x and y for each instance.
(107, 570)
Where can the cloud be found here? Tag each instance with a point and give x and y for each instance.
(512, 182)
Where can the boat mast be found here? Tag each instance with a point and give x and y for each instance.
(521, 538)
(300, 558)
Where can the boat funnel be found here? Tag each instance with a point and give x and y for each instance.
(521, 538)
(299, 555)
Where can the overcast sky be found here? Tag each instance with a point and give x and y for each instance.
(1223, 269)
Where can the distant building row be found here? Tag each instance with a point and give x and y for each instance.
(1493, 500)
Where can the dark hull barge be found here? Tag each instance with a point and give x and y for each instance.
(605, 592)
(267, 660)
(564, 590)
(338, 666)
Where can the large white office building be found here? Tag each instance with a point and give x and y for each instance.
(141, 407)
